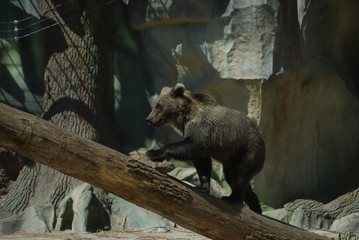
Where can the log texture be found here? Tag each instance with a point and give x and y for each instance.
(136, 182)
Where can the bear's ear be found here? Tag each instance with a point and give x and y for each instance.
(164, 90)
(178, 90)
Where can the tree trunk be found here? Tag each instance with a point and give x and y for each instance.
(78, 94)
(134, 181)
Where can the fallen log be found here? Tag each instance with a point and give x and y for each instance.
(134, 181)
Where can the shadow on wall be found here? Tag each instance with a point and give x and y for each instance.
(175, 34)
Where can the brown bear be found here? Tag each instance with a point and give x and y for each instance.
(210, 130)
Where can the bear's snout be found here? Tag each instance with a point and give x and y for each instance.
(154, 121)
(148, 120)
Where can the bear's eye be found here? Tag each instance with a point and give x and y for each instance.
(158, 107)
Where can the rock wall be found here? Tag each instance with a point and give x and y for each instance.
(310, 125)
(291, 65)
(310, 111)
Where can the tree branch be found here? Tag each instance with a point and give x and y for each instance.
(136, 182)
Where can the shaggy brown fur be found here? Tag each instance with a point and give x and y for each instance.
(210, 130)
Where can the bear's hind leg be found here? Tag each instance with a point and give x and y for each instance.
(239, 188)
(238, 177)
(252, 201)
(204, 169)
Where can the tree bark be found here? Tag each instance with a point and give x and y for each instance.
(136, 182)
(78, 94)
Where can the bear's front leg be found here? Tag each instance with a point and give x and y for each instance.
(185, 150)
(204, 169)
(158, 155)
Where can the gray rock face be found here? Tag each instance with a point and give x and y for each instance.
(339, 215)
(139, 219)
(203, 41)
(310, 110)
(348, 223)
(311, 133)
(34, 219)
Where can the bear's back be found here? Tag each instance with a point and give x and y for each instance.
(230, 132)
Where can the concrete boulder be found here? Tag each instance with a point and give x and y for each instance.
(339, 215)
(81, 211)
(40, 218)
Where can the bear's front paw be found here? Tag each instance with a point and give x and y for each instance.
(156, 155)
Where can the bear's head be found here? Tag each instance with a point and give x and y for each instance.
(171, 107)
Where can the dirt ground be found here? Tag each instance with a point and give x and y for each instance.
(176, 234)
